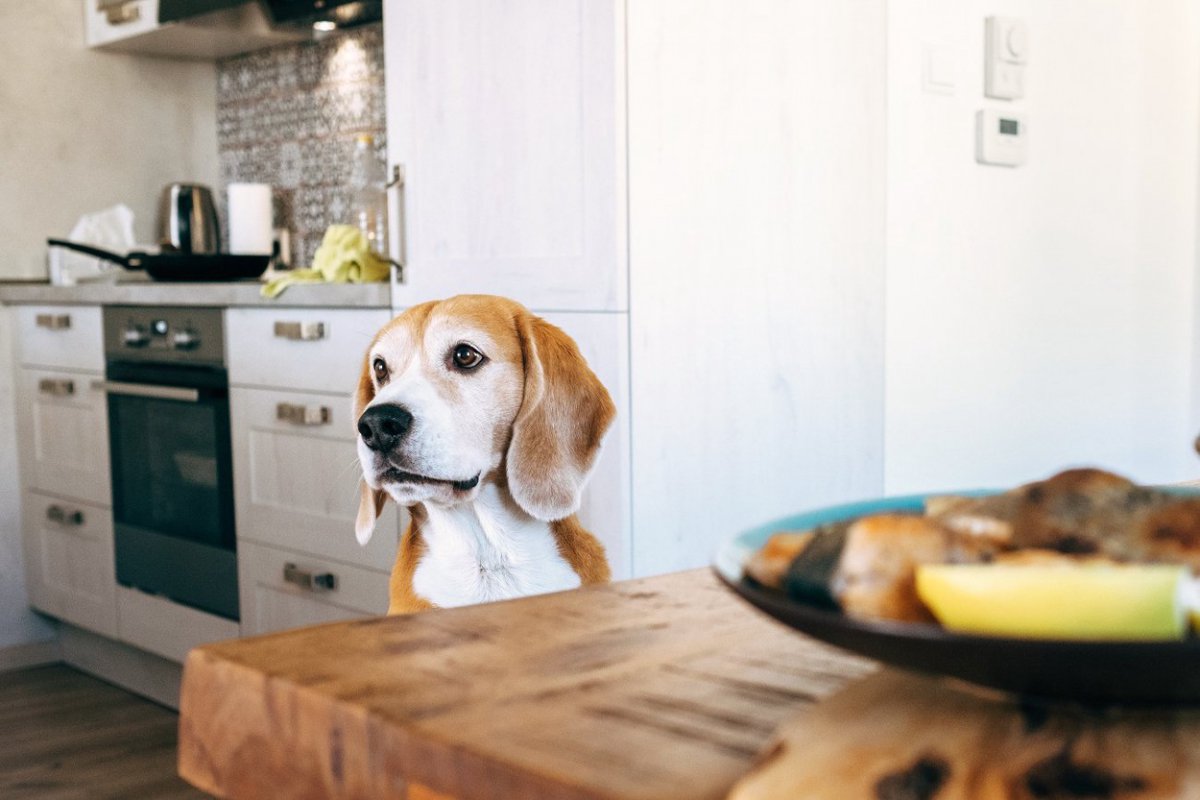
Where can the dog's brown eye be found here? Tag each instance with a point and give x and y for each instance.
(381, 370)
(467, 357)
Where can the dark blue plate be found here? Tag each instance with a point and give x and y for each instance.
(1091, 672)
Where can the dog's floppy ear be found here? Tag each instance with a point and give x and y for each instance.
(370, 506)
(564, 415)
(370, 501)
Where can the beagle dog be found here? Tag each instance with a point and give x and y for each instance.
(485, 421)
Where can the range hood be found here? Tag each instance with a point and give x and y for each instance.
(339, 13)
(188, 29)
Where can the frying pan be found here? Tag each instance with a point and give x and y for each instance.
(175, 266)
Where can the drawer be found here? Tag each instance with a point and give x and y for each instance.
(62, 432)
(167, 629)
(319, 350)
(283, 589)
(69, 563)
(67, 337)
(296, 476)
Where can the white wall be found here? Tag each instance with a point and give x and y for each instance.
(756, 179)
(1043, 316)
(81, 130)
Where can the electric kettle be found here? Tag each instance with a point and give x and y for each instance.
(187, 219)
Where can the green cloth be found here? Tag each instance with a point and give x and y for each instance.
(343, 257)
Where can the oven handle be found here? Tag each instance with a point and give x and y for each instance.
(148, 390)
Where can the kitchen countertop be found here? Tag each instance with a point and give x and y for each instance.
(240, 293)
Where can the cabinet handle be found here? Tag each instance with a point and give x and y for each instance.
(62, 516)
(119, 12)
(53, 322)
(303, 415)
(313, 581)
(397, 221)
(300, 331)
(57, 387)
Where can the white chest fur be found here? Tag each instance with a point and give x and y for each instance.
(488, 550)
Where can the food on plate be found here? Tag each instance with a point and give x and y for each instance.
(867, 567)
(1076, 529)
(767, 564)
(1058, 600)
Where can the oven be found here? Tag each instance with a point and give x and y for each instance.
(172, 470)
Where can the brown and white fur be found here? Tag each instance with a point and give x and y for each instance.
(490, 457)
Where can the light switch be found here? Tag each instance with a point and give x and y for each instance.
(1006, 53)
(1001, 138)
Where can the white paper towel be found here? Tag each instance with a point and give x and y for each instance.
(250, 218)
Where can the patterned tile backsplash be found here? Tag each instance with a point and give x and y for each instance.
(288, 116)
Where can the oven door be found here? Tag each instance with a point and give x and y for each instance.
(172, 480)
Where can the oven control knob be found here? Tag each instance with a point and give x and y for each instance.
(135, 337)
(186, 339)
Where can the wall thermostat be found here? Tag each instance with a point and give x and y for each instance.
(1001, 138)
(1006, 53)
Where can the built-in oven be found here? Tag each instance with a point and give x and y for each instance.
(172, 466)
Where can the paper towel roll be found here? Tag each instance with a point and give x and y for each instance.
(250, 218)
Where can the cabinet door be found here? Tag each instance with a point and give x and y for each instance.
(64, 434)
(296, 476)
(505, 117)
(69, 561)
(283, 589)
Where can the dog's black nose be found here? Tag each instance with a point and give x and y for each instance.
(381, 427)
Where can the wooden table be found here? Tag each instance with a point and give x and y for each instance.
(666, 687)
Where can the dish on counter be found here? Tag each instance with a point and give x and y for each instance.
(848, 575)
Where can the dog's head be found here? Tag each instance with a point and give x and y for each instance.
(475, 389)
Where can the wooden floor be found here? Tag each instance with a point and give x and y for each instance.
(67, 736)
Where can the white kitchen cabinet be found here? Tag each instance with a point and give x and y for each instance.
(65, 337)
(318, 350)
(69, 568)
(748, 162)
(296, 476)
(757, 241)
(63, 436)
(286, 589)
(508, 120)
(168, 629)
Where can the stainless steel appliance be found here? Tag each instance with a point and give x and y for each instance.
(187, 219)
(172, 466)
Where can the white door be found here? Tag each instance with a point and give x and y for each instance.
(506, 118)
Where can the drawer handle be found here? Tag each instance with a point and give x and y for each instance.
(62, 516)
(313, 581)
(57, 387)
(119, 12)
(300, 331)
(53, 322)
(303, 415)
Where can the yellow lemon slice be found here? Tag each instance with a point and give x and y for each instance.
(1115, 602)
